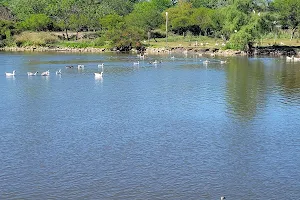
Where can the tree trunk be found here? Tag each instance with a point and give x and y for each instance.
(293, 33)
(67, 34)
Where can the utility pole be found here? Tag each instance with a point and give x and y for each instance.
(167, 28)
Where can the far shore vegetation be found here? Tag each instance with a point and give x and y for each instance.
(126, 24)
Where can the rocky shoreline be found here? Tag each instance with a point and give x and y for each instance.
(266, 51)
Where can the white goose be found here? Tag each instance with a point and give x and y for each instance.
(80, 66)
(296, 59)
(99, 74)
(10, 74)
(155, 62)
(101, 65)
(136, 63)
(288, 58)
(46, 73)
(32, 74)
(58, 72)
(206, 62)
(223, 61)
(142, 57)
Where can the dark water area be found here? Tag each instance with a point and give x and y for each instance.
(180, 129)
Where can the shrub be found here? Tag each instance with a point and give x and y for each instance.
(35, 39)
(240, 40)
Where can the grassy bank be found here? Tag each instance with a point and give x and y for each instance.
(27, 40)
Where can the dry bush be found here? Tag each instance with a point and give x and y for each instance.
(35, 39)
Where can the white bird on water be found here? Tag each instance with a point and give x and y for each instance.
(136, 63)
(288, 58)
(10, 74)
(101, 65)
(206, 62)
(141, 56)
(80, 66)
(99, 74)
(58, 72)
(32, 74)
(46, 73)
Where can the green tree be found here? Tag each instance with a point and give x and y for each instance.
(217, 22)
(36, 22)
(24, 8)
(211, 3)
(120, 7)
(234, 20)
(289, 11)
(7, 30)
(111, 21)
(180, 17)
(202, 17)
(61, 11)
(145, 16)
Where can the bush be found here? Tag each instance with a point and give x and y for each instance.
(99, 42)
(35, 39)
(240, 40)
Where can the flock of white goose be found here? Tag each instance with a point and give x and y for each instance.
(100, 74)
(292, 58)
(58, 72)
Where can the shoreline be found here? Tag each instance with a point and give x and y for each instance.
(267, 51)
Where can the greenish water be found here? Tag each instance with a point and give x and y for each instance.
(177, 130)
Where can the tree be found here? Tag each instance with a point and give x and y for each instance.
(180, 17)
(24, 8)
(145, 16)
(112, 21)
(7, 30)
(202, 17)
(234, 20)
(211, 3)
(120, 7)
(289, 11)
(61, 11)
(242, 24)
(36, 22)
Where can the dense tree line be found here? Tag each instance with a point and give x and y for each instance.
(127, 22)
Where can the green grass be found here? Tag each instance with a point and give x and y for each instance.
(188, 41)
(207, 42)
(84, 43)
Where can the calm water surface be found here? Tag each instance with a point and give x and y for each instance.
(178, 130)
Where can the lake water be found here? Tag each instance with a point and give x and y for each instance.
(172, 131)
